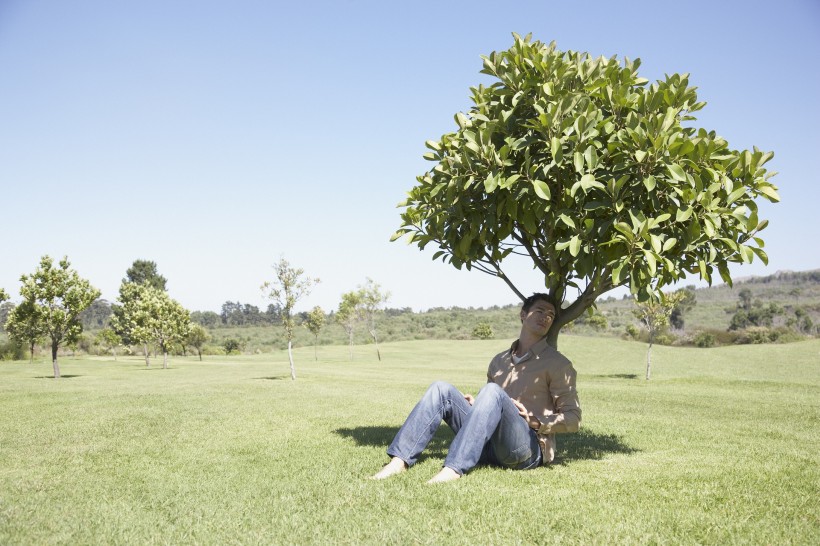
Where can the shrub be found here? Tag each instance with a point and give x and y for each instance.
(758, 334)
(632, 331)
(232, 346)
(704, 339)
(12, 350)
(483, 330)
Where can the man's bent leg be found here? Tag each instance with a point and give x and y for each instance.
(494, 420)
(442, 401)
(514, 444)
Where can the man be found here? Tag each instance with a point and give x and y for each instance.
(530, 396)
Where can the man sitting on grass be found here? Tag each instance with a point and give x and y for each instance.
(530, 396)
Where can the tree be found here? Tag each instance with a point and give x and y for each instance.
(594, 176)
(130, 315)
(654, 315)
(96, 316)
(198, 336)
(145, 272)
(686, 303)
(348, 315)
(3, 295)
(371, 299)
(289, 286)
(53, 298)
(314, 322)
(152, 315)
(109, 340)
(24, 326)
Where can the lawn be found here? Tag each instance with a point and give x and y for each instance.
(722, 446)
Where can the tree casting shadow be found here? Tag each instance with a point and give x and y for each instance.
(61, 376)
(583, 445)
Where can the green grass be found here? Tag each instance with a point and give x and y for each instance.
(721, 447)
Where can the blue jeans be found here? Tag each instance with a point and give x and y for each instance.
(490, 431)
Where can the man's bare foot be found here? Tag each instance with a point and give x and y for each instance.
(395, 466)
(445, 475)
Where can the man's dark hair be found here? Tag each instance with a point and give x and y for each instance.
(529, 302)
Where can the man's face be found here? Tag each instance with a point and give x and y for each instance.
(538, 318)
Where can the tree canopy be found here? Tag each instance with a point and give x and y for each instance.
(145, 272)
(598, 178)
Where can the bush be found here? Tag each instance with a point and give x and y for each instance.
(12, 350)
(232, 346)
(632, 331)
(757, 335)
(483, 330)
(704, 339)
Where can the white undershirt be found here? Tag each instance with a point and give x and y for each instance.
(517, 359)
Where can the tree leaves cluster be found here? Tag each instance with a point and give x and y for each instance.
(595, 176)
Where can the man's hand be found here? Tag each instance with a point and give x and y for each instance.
(469, 398)
(532, 422)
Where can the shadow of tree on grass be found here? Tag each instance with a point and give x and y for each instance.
(61, 376)
(583, 445)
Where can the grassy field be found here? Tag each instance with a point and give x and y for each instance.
(721, 447)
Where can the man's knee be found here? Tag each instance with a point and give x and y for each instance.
(490, 392)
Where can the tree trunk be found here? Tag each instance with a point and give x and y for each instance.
(54, 363)
(315, 350)
(31, 351)
(165, 360)
(376, 341)
(147, 358)
(200, 354)
(350, 344)
(292, 367)
(649, 358)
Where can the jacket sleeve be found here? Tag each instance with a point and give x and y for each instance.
(567, 414)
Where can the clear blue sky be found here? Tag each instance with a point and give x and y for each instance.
(213, 137)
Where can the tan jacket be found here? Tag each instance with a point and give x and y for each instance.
(544, 382)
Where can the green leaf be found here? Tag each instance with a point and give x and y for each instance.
(541, 189)
(677, 172)
(669, 244)
(640, 155)
(574, 246)
(591, 157)
(650, 182)
(567, 220)
(578, 160)
(683, 214)
(769, 192)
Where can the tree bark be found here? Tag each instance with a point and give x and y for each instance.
(165, 360)
(292, 367)
(147, 358)
(54, 363)
(649, 358)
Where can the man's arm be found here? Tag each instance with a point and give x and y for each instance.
(567, 415)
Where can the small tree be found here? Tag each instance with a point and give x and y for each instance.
(198, 336)
(53, 298)
(109, 340)
(348, 315)
(289, 286)
(371, 300)
(654, 315)
(314, 322)
(169, 323)
(131, 315)
(23, 325)
(597, 178)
